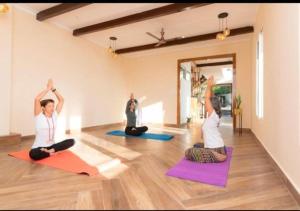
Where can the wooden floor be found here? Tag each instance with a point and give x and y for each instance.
(139, 181)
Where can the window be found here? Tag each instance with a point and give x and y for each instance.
(188, 76)
(259, 76)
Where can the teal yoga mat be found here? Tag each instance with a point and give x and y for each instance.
(154, 136)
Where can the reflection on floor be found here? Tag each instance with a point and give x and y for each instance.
(133, 176)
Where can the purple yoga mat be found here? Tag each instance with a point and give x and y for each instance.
(209, 173)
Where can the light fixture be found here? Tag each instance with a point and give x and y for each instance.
(221, 36)
(224, 32)
(4, 8)
(112, 46)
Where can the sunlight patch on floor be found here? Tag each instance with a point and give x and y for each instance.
(114, 148)
(167, 130)
(107, 166)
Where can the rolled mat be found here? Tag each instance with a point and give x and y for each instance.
(209, 173)
(154, 136)
(65, 160)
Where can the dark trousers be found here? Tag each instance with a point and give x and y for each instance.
(38, 154)
(135, 131)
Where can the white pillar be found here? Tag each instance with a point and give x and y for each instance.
(5, 71)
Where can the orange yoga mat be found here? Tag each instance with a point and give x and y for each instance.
(65, 160)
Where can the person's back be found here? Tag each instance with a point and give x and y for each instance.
(211, 134)
(213, 149)
(130, 114)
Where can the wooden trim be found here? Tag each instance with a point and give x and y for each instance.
(28, 137)
(244, 130)
(197, 38)
(12, 138)
(280, 173)
(23, 138)
(170, 125)
(224, 84)
(102, 126)
(134, 18)
(214, 64)
(58, 10)
(231, 55)
(233, 93)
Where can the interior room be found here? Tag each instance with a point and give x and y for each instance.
(149, 106)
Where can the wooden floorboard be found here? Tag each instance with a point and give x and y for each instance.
(139, 182)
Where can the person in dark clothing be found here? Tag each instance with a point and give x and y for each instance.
(131, 128)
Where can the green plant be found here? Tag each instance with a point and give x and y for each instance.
(238, 101)
(217, 90)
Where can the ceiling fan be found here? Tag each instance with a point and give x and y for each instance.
(162, 39)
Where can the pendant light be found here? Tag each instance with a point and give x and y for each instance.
(226, 31)
(223, 33)
(112, 46)
(4, 8)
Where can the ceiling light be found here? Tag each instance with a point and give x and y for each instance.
(112, 46)
(223, 32)
(221, 36)
(226, 32)
(4, 8)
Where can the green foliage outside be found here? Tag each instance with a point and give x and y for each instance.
(218, 90)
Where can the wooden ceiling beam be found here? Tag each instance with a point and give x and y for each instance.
(215, 64)
(142, 16)
(58, 10)
(197, 38)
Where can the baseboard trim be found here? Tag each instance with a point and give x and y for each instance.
(170, 125)
(12, 138)
(244, 130)
(23, 138)
(280, 173)
(27, 137)
(98, 127)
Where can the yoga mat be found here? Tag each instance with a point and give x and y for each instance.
(154, 136)
(65, 160)
(209, 173)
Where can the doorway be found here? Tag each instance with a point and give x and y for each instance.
(191, 85)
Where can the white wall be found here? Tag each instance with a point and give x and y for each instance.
(278, 130)
(185, 94)
(5, 71)
(155, 76)
(92, 83)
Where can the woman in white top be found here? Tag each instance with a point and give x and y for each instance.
(45, 125)
(213, 149)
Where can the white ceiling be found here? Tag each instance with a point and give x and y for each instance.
(188, 23)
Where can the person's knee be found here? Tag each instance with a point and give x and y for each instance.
(70, 142)
(188, 153)
(223, 158)
(34, 155)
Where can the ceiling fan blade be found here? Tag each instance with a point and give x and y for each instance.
(152, 35)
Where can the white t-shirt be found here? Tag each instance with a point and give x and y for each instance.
(45, 130)
(211, 135)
